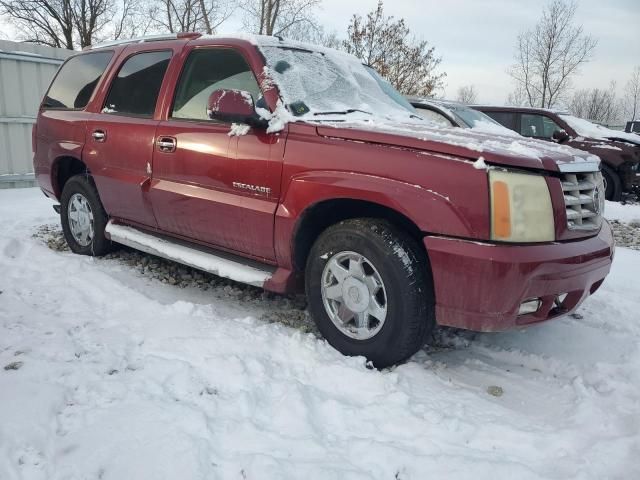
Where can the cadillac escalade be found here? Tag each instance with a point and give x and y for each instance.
(299, 169)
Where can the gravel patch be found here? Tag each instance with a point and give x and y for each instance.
(289, 310)
(626, 234)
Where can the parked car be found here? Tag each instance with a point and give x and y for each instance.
(633, 127)
(447, 113)
(619, 151)
(296, 168)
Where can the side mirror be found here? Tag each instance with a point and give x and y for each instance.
(560, 136)
(233, 106)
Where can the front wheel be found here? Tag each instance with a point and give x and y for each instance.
(83, 217)
(370, 290)
(612, 184)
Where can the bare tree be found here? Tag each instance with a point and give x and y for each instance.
(388, 46)
(517, 98)
(190, 15)
(596, 104)
(631, 99)
(72, 23)
(550, 54)
(467, 94)
(278, 17)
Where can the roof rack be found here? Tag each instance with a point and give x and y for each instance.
(148, 38)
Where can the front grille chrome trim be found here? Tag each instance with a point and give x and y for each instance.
(583, 199)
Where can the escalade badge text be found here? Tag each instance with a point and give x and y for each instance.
(252, 188)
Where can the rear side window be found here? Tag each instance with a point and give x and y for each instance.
(135, 90)
(506, 119)
(76, 81)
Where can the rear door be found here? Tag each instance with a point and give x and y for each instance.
(209, 185)
(120, 138)
(60, 130)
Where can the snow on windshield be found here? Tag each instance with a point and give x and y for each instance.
(585, 128)
(321, 82)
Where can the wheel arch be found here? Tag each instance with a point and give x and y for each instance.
(63, 168)
(319, 216)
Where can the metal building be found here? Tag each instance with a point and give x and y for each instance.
(25, 73)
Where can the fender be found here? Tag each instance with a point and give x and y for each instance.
(62, 135)
(429, 210)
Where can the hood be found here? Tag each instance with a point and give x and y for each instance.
(594, 132)
(618, 143)
(465, 143)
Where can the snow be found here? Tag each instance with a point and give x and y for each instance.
(278, 119)
(328, 81)
(607, 147)
(238, 130)
(217, 265)
(479, 164)
(475, 141)
(585, 128)
(123, 377)
(624, 213)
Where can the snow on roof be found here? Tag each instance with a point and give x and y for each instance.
(276, 41)
(555, 111)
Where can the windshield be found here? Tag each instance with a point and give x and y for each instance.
(469, 116)
(325, 83)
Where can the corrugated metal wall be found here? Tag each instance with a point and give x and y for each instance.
(25, 73)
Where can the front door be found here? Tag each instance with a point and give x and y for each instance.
(208, 184)
(120, 138)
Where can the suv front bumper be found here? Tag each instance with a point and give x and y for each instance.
(481, 286)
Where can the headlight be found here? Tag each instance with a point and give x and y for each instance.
(521, 209)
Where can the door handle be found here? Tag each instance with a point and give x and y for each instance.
(166, 144)
(99, 135)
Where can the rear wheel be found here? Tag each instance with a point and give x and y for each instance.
(612, 184)
(83, 217)
(370, 291)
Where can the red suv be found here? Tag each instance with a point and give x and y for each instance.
(292, 167)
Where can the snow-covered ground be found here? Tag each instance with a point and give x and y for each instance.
(629, 213)
(108, 374)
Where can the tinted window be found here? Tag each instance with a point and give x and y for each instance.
(207, 70)
(76, 81)
(507, 119)
(135, 90)
(532, 125)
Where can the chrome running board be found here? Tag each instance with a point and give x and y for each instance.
(220, 264)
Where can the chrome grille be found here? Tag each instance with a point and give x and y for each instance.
(583, 199)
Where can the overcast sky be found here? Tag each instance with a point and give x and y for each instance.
(476, 38)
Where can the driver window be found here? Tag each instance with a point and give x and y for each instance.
(205, 71)
(541, 126)
(434, 117)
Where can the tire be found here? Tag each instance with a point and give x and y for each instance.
(613, 185)
(80, 190)
(389, 255)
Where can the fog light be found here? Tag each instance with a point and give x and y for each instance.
(529, 306)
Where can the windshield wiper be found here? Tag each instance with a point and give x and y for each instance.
(343, 112)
